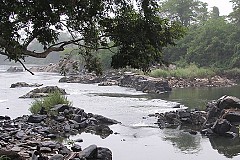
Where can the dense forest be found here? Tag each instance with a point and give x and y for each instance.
(211, 40)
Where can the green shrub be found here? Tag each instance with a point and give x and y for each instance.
(48, 102)
(191, 71)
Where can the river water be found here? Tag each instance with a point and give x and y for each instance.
(138, 137)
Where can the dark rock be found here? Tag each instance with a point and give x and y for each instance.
(36, 118)
(89, 152)
(61, 107)
(79, 140)
(227, 102)
(43, 92)
(104, 154)
(221, 126)
(24, 84)
(57, 157)
(104, 120)
(60, 118)
(64, 150)
(76, 148)
(232, 115)
(102, 130)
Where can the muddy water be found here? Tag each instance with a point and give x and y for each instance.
(137, 137)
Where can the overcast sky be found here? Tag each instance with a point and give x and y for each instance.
(225, 7)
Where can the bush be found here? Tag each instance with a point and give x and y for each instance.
(48, 102)
(191, 71)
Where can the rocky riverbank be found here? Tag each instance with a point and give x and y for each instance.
(35, 136)
(221, 118)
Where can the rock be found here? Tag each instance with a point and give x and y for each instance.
(104, 120)
(104, 154)
(144, 83)
(221, 126)
(231, 115)
(24, 84)
(14, 69)
(43, 92)
(57, 157)
(16, 149)
(36, 118)
(45, 150)
(20, 135)
(227, 102)
(11, 154)
(79, 140)
(60, 107)
(89, 152)
(76, 148)
(102, 130)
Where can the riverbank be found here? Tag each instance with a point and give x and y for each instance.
(138, 137)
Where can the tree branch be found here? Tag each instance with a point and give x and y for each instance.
(25, 67)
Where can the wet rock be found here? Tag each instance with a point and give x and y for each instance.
(104, 120)
(221, 126)
(104, 154)
(232, 115)
(144, 83)
(76, 148)
(36, 118)
(89, 152)
(227, 102)
(102, 130)
(79, 140)
(43, 92)
(61, 107)
(24, 84)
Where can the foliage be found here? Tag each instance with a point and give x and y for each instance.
(3, 157)
(185, 11)
(48, 102)
(214, 43)
(191, 71)
(233, 73)
(140, 33)
(235, 15)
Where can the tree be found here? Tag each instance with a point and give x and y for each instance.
(235, 15)
(185, 11)
(139, 33)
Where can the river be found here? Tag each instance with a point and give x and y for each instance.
(138, 137)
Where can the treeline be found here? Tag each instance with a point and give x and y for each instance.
(211, 40)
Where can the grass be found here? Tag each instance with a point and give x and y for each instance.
(191, 71)
(3, 157)
(48, 102)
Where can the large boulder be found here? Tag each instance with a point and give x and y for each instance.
(43, 92)
(145, 83)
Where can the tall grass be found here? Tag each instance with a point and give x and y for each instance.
(191, 71)
(48, 102)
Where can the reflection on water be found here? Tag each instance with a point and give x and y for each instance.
(198, 97)
(182, 140)
(226, 146)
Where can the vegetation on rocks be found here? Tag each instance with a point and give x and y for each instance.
(49, 102)
(191, 71)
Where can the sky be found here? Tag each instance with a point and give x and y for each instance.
(225, 7)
